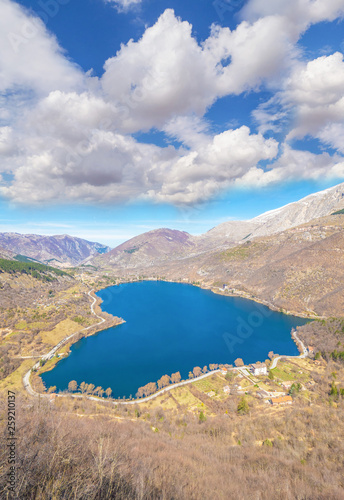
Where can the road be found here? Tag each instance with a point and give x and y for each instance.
(52, 352)
(303, 355)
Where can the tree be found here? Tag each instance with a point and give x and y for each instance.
(108, 392)
(271, 354)
(149, 389)
(164, 381)
(52, 389)
(197, 371)
(202, 417)
(83, 387)
(205, 369)
(243, 407)
(334, 390)
(90, 388)
(176, 378)
(140, 392)
(72, 386)
(213, 366)
(295, 389)
(239, 362)
(191, 375)
(99, 391)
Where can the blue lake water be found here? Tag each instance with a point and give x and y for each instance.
(171, 327)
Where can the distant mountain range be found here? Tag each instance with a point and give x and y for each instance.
(291, 258)
(58, 251)
(161, 245)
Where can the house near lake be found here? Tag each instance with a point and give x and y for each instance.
(258, 369)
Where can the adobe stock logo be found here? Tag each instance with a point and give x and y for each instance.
(246, 327)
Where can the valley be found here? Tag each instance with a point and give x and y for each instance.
(232, 416)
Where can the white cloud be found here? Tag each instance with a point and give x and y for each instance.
(310, 104)
(213, 167)
(66, 137)
(71, 158)
(167, 73)
(124, 5)
(30, 57)
(316, 90)
(295, 164)
(300, 13)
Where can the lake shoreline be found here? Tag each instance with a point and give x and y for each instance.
(97, 301)
(224, 293)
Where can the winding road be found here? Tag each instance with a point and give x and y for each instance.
(46, 357)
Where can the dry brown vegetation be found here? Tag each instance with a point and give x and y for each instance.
(49, 315)
(298, 453)
(324, 336)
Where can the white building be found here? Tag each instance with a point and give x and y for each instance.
(259, 369)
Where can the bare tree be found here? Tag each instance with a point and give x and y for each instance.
(239, 362)
(164, 381)
(99, 391)
(90, 388)
(197, 371)
(176, 378)
(72, 386)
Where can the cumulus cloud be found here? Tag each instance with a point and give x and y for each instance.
(66, 137)
(295, 164)
(300, 13)
(30, 57)
(93, 164)
(168, 73)
(214, 166)
(316, 90)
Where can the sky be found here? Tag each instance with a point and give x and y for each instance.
(122, 116)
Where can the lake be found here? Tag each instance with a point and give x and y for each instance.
(171, 327)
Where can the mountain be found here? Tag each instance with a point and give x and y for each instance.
(164, 245)
(299, 270)
(59, 251)
(294, 214)
(149, 248)
(5, 254)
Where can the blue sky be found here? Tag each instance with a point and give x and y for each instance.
(117, 117)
